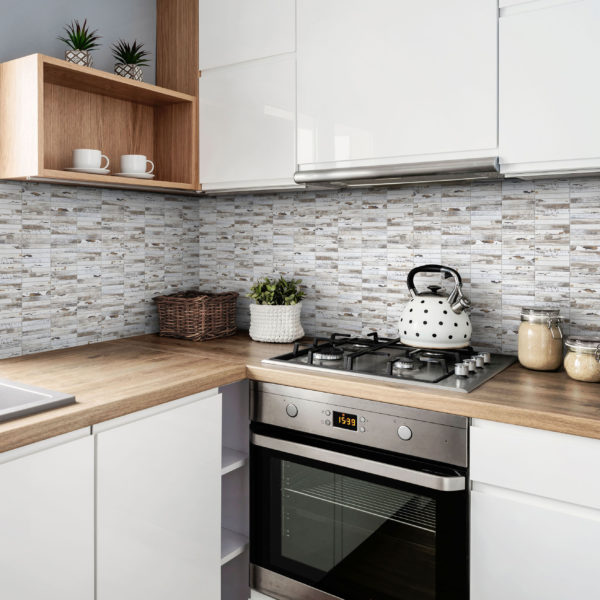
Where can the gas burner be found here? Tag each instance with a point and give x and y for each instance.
(328, 354)
(404, 364)
(358, 346)
(428, 354)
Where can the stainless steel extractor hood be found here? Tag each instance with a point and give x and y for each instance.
(403, 174)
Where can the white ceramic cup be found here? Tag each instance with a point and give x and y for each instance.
(135, 163)
(85, 158)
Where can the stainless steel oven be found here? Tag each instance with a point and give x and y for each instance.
(355, 499)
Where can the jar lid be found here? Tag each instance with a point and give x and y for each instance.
(539, 314)
(583, 345)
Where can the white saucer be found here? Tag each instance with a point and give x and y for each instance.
(92, 171)
(136, 175)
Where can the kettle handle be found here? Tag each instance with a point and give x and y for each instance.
(447, 271)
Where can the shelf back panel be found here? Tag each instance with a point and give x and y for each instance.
(78, 119)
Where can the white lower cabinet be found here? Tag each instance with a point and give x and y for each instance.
(535, 514)
(159, 502)
(524, 548)
(47, 520)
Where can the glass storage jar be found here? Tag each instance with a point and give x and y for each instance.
(582, 361)
(540, 339)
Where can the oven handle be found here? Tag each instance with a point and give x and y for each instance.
(441, 483)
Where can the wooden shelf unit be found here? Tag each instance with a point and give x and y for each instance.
(48, 107)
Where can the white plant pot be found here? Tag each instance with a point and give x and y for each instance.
(79, 57)
(129, 71)
(270, 323)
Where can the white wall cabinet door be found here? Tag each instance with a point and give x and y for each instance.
(234, 31)
(248, 125)
(524, 548)
(549, 92)
(47, 520)
(159, 502)
(396, 81)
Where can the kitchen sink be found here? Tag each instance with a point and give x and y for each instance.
(20, 400)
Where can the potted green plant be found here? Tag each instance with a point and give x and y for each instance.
(130, 58)
(80, 41)
(275, 316)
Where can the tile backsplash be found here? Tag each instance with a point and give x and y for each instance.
(515, 243)
(80, 265)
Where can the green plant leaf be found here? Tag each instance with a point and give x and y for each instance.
(276, 291)
(79, 36)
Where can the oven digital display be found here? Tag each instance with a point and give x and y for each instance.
(344, 420)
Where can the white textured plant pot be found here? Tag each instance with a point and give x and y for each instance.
(79, 57)
(275, 323)
(130, 71)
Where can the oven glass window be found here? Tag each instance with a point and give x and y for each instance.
(350, 529)
(356, 535)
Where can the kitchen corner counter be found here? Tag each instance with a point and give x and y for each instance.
(111, 379)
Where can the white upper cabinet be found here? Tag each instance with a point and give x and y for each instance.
(233, 31)
(159, 502)
(47, 519)
(248, 124)
(549, 89)
(395, 81)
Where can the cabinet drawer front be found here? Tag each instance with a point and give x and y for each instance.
(544, 463)
(522, 550)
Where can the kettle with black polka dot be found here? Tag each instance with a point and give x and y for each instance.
(433, 320)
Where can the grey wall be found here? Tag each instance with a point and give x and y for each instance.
(29, 26)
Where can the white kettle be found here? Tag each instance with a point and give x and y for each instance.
(432, 319)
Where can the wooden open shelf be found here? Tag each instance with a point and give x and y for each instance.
(48, 107)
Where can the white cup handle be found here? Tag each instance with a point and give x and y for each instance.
(107, 161)
(152, 169)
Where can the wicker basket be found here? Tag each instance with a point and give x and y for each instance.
(197, 315)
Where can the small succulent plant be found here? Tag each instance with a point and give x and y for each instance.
(79, 36)
(276, 291)
(126, 53)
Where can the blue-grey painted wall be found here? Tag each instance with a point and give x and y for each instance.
(29, 26)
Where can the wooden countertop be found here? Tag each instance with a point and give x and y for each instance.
(111, 379)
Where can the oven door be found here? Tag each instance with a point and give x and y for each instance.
(335, 520)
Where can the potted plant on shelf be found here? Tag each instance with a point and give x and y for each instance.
(130, 58)
(275, 316)
(80, 41)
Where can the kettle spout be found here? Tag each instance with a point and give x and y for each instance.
(460, 304)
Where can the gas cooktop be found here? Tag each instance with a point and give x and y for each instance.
(388, 359)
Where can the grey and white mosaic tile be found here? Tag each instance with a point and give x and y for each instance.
(515, 243)
(81, 265)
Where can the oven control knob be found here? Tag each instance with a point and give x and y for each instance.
(404, 433)
(327, 413)
(291, 410)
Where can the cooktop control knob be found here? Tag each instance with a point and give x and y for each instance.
(291, 410)
(404, 433)
(461, 369)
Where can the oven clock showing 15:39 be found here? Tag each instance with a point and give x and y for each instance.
(345, 420)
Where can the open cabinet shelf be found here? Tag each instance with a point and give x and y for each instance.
(232, 460)
(232, 545)
(49, 107)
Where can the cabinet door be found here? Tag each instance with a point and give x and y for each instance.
(524, 548)
(247, 125)
(233, 31)
(47, 520)
(392, 81)
(159, 503)
(549, 94)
